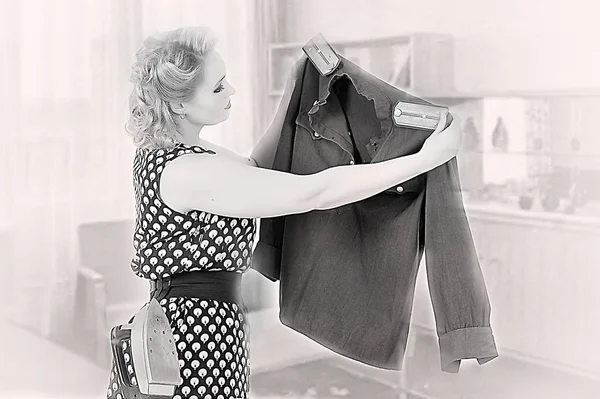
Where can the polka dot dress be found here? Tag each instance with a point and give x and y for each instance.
(212, 337)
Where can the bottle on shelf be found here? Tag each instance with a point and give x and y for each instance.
(500, 136)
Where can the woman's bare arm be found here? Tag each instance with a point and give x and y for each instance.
(217, 184)
(220, 185)
(228, 153)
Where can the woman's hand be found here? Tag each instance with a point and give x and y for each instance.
(444, 142)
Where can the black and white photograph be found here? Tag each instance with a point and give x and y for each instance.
(298, 199)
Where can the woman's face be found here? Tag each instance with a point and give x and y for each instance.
(211, 102)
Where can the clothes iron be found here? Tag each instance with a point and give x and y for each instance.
(153, 351)
(321, 54)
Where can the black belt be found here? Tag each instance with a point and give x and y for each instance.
(220, 286)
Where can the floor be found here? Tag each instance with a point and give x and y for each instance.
(32, 367)
(286, 364)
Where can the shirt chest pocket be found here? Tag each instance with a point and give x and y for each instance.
(409, 187)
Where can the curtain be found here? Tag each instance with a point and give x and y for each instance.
(267, 21)
(63, 161)
(64, 157)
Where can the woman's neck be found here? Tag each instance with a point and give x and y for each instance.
(188, 133)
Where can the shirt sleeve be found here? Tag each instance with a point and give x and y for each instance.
(266, 258)
(456, 284)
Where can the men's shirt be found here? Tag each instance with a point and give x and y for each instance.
(347, 275)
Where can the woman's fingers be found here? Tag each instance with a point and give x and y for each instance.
(442, 123)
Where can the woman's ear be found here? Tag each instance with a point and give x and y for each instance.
(177, 108)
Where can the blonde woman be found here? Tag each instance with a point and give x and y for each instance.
(197, 204)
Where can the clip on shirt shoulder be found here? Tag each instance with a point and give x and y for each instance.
(322, 55)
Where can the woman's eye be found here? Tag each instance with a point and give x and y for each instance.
(219, 89)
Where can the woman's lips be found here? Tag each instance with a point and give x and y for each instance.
(228, 105)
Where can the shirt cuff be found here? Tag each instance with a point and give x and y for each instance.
(466, 343)
(266, 260)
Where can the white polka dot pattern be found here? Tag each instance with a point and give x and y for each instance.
(168, 242)
(212, 341)
(211, 336)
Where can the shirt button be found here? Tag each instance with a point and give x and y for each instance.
(352, 162)
(399, 189)
(397, 112)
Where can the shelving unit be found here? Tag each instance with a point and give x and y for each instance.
(420, 62)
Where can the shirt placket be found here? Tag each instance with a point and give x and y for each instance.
(321, 132)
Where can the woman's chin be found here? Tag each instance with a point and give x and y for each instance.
(225, 116)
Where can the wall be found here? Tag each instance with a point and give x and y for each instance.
(507, 45)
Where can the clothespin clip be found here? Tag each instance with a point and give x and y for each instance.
(418, 116)
(322, 55)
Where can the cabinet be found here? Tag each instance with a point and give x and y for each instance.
(541, 273)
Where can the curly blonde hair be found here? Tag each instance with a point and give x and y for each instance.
(167, 68)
